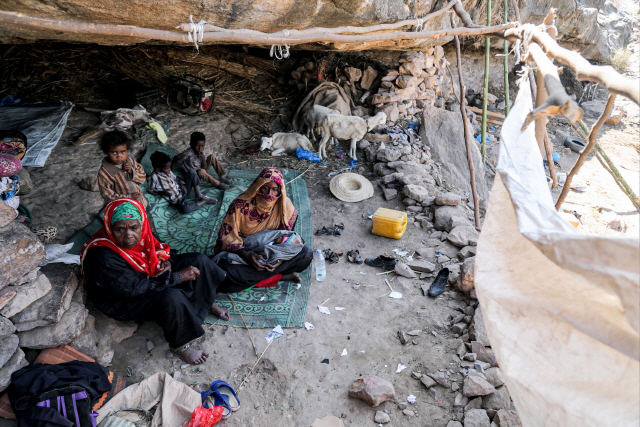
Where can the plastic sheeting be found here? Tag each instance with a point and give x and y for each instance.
(43, 127)
(560, 307)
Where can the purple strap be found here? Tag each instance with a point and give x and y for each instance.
(75, 408)
(44, 404)
(93, 417)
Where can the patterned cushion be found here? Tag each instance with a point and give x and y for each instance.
(9, 165)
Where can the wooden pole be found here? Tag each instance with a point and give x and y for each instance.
(593, 135)
(237, 36)
(485, 97)
(506, 62)
(467, 134)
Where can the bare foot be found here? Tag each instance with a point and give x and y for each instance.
(192, 356)
(221, 312)
(207, 200)
(293, 277)
(225, 180)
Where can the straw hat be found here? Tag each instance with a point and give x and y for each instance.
(351, 187)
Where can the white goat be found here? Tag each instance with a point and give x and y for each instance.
(313, 117)
(347, 127)
(285, 143)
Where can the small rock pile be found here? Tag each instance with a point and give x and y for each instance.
(44, 307)
(420, 80)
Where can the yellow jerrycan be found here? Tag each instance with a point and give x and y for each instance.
(389, 223)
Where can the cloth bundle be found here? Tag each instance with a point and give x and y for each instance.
(262, 243)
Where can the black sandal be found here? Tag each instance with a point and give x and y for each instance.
(324, 230)
(339, 228)
(354, 257)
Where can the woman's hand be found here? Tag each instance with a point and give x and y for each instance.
(189, 273)
(164, 267)
(253, 260)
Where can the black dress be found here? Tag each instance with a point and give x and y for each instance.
(241, 276)
(178, 307)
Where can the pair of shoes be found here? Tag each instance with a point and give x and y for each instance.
(222, 186)
(336, 231)
(221, 394)
(383, 261)
(438, 285)
(354, 257)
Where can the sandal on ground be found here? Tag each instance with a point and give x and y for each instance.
(211, 398)
(324, 230)
(339, 228)
(354, 257)
(227, 394)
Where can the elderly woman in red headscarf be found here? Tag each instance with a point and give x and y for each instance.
(264, 206)
(132, 276)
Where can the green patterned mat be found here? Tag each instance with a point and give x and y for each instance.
(197, 231)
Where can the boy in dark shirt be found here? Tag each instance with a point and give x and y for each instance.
(193, 158)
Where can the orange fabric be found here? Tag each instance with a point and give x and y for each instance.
(146, 256)
(252, 212)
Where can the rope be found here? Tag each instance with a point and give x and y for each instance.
(197, 32)
(278, 50)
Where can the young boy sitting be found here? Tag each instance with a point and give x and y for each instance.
(120, 176)
(193, 159)
(164, 183)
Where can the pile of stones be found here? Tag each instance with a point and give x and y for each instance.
(44, 306)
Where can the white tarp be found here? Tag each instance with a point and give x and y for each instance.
(43, 127)
(561, 308)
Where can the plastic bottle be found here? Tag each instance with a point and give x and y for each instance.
(318, 262)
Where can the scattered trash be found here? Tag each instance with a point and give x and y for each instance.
(363, 273)
(303, 154)
(438, 255)
(338, 308)
(308, 326)
(325, 361)
(400, 253)
(344, 352)
(276, 332)
(401, 368)
(479, 139)
(556, 157)
(395, 294)
(184, 366)
(411, 399)
(414, 333)
(129, 371)
(176, 375)
(323, 310)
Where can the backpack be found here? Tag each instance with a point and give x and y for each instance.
(72, 404)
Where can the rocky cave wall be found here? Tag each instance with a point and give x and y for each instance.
(595, 27)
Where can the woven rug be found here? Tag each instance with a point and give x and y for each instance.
(197, 231)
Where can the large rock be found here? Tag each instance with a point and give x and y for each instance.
(381, 417)
(415, 192)
(8, 347)
(463, 235)
(69, 328)
(402, 269)
(16, 362)
(6, 295)
(368, 77)
(50, 308)
(388, 154)
(443, 214)
(498, 400)
(442, 130)
(7, 214)
(477, 331)
(494, 377)
(476, 386)
(597, 28)
(26, 295)
(372, 389)
(422, 266)
(507, 418)
(20, 252)
(476, 418)
(111, 331)
(6, 327)
(448, 199)
(467, 275)
(88, 340)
